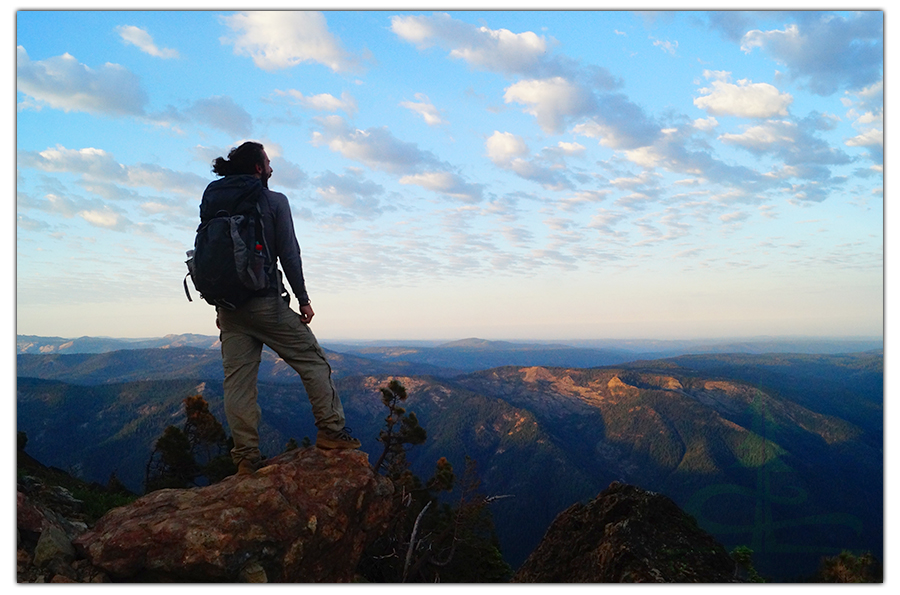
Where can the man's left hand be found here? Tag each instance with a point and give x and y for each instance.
(306, 313)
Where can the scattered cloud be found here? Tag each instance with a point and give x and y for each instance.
(351, 191)
(447, 183)
(503, 147)
(583, 197)
(510, 152)
(732, 24)
(735, 217)
(669, 47)
(283, 39)
(826, 52)
(96, 212)
(424, 108)
(65, 84)
(705, 124)
(98, 166)
(144, 42)
(796, 143)
(323, 102)
(619, 123)
(570, 148)
(745, 99)
(557, 91)
(552, 101)
(498, 50)
(867, 112)
(674, 152)
(222, 113)
(378, 148)
(870, 139)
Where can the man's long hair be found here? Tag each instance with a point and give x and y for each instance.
(241, 160)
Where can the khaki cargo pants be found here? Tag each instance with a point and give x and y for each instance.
(269, 321)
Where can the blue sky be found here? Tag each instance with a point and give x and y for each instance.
(499, 174)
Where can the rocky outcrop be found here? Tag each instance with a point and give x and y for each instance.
(48, 519)
(627, 535)
(305, 517)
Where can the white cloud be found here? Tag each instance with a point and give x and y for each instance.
(764, 136)
(551, 101)
(873, 140)
(379, 149)
(323, 102)
(498, 50)
(554, 89)
(447, 183)
(376, 147)
(144, 42)
(705, 124)
(503, 147)
(90, 162)
(570, 148)
(867, 111)
(503, 50)
(745, 99)
(283, 39)
(583, 197)
(104, 218)
(65, 84)
(734, 217)
(509, 151)
(671, 152)
(667, 46)
(869, 138)
(424, 108)
(604, 221)
(98, 166)
(96, 212)
(647, 157)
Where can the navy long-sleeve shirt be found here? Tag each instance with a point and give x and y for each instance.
(282, 240)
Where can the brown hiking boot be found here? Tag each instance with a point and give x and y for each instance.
(247, 467)
(330, 439)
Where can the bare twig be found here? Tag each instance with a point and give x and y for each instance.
(412, 541)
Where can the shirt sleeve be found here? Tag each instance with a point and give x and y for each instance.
(287, 248)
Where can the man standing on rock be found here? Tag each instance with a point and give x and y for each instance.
(267, 319)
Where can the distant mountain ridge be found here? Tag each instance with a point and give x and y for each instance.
(618, 350)
(169, 362)
(36, 344)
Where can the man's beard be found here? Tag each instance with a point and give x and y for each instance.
(265, 180)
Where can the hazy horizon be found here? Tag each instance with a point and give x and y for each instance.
(510, 175)
(522, 340)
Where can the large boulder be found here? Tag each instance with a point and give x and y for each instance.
(627, 535)
(306, 517)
